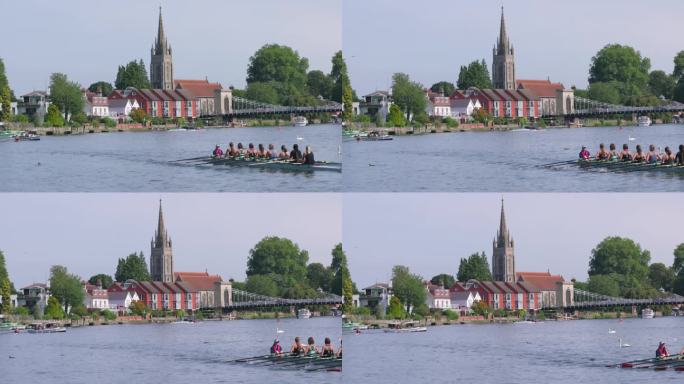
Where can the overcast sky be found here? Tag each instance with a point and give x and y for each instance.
(212, 38)
(431, 39)
(430, 233)
(88, 233)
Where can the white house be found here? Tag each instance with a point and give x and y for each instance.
(376, 103)
(464, 300)
(36, 294)
(437, 297)
(376, 295)
(464, 107)
(32, 104)
(95, 105)
(96, 297)
(121, 108)
(121, 301)
(438, 105)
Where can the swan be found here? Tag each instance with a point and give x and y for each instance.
(611, 330)
(623, 345)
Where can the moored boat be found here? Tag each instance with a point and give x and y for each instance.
(300, 121)
(644, 121)
(374, 136)
(647, 313)
(303, 313)
(49, 327)
(26, 136)
(405, 327)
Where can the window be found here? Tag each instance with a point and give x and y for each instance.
(178, 108)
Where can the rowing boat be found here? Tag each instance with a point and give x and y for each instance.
(286, 361)
(657, 363)
(277, 165)
(628, 166)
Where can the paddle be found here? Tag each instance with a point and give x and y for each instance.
(190, 159)
(558, 163)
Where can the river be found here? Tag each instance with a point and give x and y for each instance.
(553, 351)
(161, 353)
(139, 162)
(503, 161)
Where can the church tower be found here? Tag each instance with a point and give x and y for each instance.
(161, 257)
(161, 65)
(503, 64)
(503, 258)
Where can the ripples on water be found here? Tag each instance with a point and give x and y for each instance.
(503, 161)
(558, 352)
(139, 162)
(167, 353)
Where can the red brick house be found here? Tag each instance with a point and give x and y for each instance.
(507, 103)
(161, 296)
(502, 295)
(169, 104)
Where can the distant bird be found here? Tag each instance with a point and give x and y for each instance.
(623, 345)
(611, 330)
(300, 138)
(278, 330)
(371, 165)
(11, 357)
(630, 138)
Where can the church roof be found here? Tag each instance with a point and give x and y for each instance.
(197, 88)
(545, 281)
(542, 88)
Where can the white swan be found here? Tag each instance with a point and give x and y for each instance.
(623, 345)
(611, 330)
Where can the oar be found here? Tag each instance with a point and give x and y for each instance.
(558, 163)
(246, 359)
(190, 159)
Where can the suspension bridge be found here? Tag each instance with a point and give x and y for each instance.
(243, 300)
(228, 107)
(588, 300)
(584, 107)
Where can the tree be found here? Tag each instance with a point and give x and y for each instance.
(661, 84)
(262, 285)
(678, 259)
(66, 287)
(133, 74)
(604, 284)
(475, 266)
(66, 94)
(396, 117)
(342, 90)
(279, 256)
(480, 308)
(283, 68)
(263, 92)
(101, 278)
(342, 282)
(475, 74)
(6, 95)
(678, 94)
(102, 87)
(443, 88)
(319, 84)
(443, 280)
(395, 309)
(53, 310)
(347, 290)
(678, 65)
(133, 267)
(621, 256)
(54, 118)
(481, 115)
(605, 92)
(660, 276)
(138, 308)
(408, 95)
(624, 66)
(408, 287)
(319, 276)
(138, 115)
(5, 286)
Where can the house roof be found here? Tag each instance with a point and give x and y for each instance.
(460, 103)
(543, 88)
(36, 285)
(35, 93)
(197, 88)
(461, 295)
(544, 281)
(148, 94)
(378, 285)
(119, 103)
(119, 295)
(198, 281)
(378, 93)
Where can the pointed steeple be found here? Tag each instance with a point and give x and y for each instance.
(160, 43)
(503, 238)
(161, 229)
(503, 43)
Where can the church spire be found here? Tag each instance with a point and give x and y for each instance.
(503, 36)
(161, 229)
(503, 228)
(161, 38)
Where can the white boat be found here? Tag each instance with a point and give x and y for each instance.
(45, 328)
(647, 313)
(645, 121)
(406, 330)
(303, 313)
(300, 121)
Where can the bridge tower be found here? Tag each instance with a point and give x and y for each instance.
(503, 257)
(161, 64)
(161, 256)
(503, 63)
(223, 101)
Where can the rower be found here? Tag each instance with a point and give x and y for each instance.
(679, 158)
(661, 351)
(602, 154)
(241, 150)
(639, 156)
(296, 154)
(283, 155)
(232, 151)
(251, 152)
(272, 154)
(217, 152)
(276, 349)
(327, 350)
(584, 154)
(613, 153)
(297, 348)
(667, 158)
(652, 157)
(261, 153)
(311, 349)
(625, 155)
(309, 156)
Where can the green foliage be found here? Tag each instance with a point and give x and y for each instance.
(444, 280)
(38, 312)
(79, 310)
(621, 256)
(408, 95)
(476, 74)
(660, 276)
(443, 88)
(133, 74)
(20, 119)
(5, 286)
(347, 289)
(421, 310)
(361, 311)
(53, 118)
(138, 308)
(396, 118)
(105, 279)
(604, 285)
(138, 115)
(133, 267)
(319, 84)
(678, 65)
(279, 256)
(678, 94)
(626, 71)
(5, 94)
(283, 71)
(108, 315)
(605, 92)
(450, 122)
(101, 87)
(408, 287)
(480, 308)
(341, 91)
(475, 267)
(79, 118)
(66, 94)
(20, 311)
(481, 115)
(66, 287)
(396, 309)
(678, 259)
(262, 285)
(109, 122)
(53, 310)
(450, 315)
(265, 92)
(180, 314)
(319, 276)
(661, 84)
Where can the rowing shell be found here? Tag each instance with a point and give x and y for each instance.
(628, 166)
(278, 165)
(285, 361)
(674, 362)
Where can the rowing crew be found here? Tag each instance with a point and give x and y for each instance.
(299, 349)
(260, 152)
(662, 351)
(653, 156)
